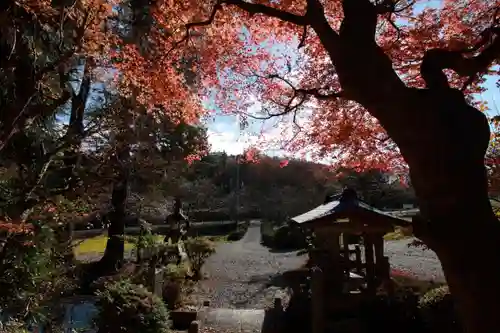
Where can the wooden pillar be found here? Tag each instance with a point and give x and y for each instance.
(329, 240)
(338, 272)
(386, 276)
(334, 243)
(317, 301)
(359, 264)
(370, 265)
(378, 244)
(345, 243)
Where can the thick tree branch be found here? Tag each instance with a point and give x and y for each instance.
(436, 60)
(253, 8)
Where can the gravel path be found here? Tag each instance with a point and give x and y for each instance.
(239, 272)
(420, 263)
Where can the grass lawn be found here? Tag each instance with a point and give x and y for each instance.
(97, 244)
(398, 233)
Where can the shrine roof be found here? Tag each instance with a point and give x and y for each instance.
(345, 205)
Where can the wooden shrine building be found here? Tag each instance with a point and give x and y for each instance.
(348, 252)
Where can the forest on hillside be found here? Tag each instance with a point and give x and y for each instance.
(221, 186)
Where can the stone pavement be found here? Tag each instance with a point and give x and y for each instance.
(239, 320)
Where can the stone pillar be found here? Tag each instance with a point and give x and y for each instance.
(194, 327)
(317, 301)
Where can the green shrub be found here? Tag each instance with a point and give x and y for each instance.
(126, 307)
(438, 310)
(33, 274)
(221, 215)
(288, 237)
(284, 237)
(174, 277)
(236, 235)
(198, 249)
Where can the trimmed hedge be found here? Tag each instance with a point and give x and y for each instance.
(284, 237)
(238, 234)
(438, 311)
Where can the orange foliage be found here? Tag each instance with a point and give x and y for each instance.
(153, 76)
(242, 55)
(16, 228)
(246, 62)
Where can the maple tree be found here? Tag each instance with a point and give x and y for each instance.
(382, 84)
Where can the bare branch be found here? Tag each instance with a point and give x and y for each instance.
(318, 93)
(189, 26)
(391, 6)
(297, 100)
(303, 38)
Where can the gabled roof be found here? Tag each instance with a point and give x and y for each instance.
(346, 205)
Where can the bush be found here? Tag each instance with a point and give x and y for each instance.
(174, 279)
(126, 307)
(220, 215)
(33, 274)
(284, 237)
(202, 229)
(199, 250)
(238, 233)
(438, 311)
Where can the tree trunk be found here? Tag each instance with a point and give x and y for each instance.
(115, 247)
(444, 140)
(450, 181)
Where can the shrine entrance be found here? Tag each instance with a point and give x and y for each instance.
(347, 254)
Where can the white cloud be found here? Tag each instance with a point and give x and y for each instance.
(230, 141)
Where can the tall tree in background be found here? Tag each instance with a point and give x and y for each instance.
(372, 75)
(378, 189)
(40, 74)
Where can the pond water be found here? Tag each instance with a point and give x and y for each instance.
(78, 317)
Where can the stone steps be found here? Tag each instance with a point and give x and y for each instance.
(233, 320)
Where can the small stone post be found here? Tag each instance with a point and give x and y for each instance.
(194, 327)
